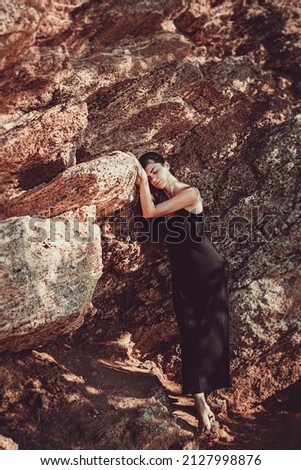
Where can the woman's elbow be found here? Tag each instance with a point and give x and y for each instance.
(148, 214)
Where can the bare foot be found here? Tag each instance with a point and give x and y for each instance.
(204, 413)
(205, 417)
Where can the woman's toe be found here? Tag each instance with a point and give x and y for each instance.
(204, 423)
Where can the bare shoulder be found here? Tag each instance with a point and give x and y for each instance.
(193, 191)
(186, 197)
(195, 203)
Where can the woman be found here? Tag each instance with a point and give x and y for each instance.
(199, 282)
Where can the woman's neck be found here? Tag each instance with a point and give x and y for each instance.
(173, 186)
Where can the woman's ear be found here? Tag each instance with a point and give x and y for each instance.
(167, 165)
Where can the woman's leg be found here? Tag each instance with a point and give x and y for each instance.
(204, 413)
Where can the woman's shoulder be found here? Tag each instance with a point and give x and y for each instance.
(197, 206)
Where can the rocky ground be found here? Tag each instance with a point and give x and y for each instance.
(71, 394)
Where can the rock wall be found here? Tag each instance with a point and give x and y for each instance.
(214, 86)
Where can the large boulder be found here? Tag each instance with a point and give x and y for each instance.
(108, 182)
(50, 268)
(39, 146)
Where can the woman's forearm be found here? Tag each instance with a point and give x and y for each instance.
(148, 207)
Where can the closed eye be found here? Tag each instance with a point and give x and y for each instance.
(153, 173)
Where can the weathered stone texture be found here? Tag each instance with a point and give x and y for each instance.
(50, 268)
(107, 182)
(215, 87)
(7, 444)
(40, 145)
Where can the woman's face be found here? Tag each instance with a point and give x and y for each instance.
(158, 175)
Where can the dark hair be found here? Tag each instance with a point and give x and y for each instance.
(151, 157)
(154, 157)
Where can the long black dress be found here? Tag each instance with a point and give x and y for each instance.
(201, 303)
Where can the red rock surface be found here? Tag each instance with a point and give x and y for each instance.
(215, 87)
(106, 182)
(50, 268)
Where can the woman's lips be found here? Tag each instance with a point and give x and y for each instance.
(158, 183)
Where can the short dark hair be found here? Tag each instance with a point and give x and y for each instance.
(151, 157)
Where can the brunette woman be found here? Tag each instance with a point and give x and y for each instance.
(199, 281)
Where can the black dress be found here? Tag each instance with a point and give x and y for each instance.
(201, 303)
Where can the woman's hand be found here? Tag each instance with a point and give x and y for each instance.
(141, 175)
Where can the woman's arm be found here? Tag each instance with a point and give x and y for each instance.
(187, 197)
